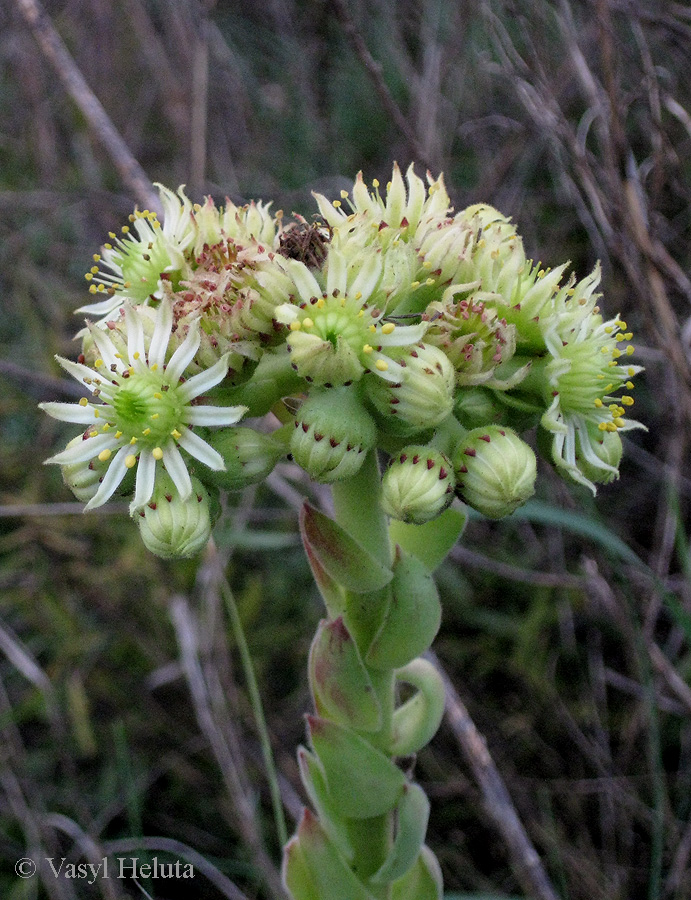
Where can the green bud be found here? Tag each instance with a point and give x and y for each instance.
(477, 406)
(84, 478)
(418, 485)
(332, 435)
(495, 469)
(249, 456)
(171, 527)
(417, 389)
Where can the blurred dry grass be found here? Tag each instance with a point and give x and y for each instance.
(122, 714)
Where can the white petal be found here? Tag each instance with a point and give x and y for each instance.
(213, 415)
(87, 449)
(304, 280)
(161, 335)
(136, 350)
(176, 468)
(111, 480)
(144, 485)
(102, 308)
(336, 277)
(78, 370)
(199, 384)
(393, 374)
(105, 347)
(286, 313)
(184, 355)
(200, 450)
(402, 335)
(70, 412)
(368, 277)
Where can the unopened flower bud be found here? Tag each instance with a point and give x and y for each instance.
(83, 478)
(171, 527)
(333, 433)
(418, 485)
(416, 388)
(249, 456)
(495, 469)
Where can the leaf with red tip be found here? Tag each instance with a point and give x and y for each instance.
(339, 555)
(340, 684)
(323, 865)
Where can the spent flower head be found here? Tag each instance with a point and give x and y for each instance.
(142, 411)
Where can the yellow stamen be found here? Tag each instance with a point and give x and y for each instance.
(630, 349)
(381, 365)
(93, 433)
(619, 422)
(373, 328)
(130, 461)
(159, 396)
(388, 328)
(366, 348)
(146, 432)
(157, 453)
(320, 303)
(295, 326)
(133, 440)
(105, 455)
(83, 401)
(630, 385)
(627, 401)
(118, 434)
(598, 402)
(175, 433)
(307, 322)
(155, 415)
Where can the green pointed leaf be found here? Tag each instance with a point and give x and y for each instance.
(362, 781)
(326, 867)
(342, 688)
(314, 780)
(332, 593)
(413, 815)
(295, 873)
(412, 618)
(416, 722)
(339, 555)
(430, 542)
(422, 882)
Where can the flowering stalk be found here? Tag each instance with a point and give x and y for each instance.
(393, 330)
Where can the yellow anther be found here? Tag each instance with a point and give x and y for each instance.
(97, 414)
(118, 434)
(105, 455)
(602, 426)
(629, 385)
(619, 338)
(146, 432)
(101, 288)
(611, 426)
(616, 353)
(381, 365)
(158, 396)
(541, 273)
(133, 440)
(427, 264)
(601, 376)
(375, 182)
(154, 367)
(343, 301)
(628, 335)
(366, 348)
(157, 453)
(337, 203)
(373, 328)
(358, 296)
(604, 350)
(118, 355)
(344, 194)
(92, 288)
(295, 326)
(83, 401)
(130, 461)
(88, 276)
(598, 402)
(93, 433)
(619, 422)
(609, 387)
(630, 349)
(307, 322)
(175, 433)
(631, 371)
(136, 354)
(125, 229)
(388, 328)
(320, 303)
(612, 364)
(155, 415)
(627, 401)
(94, 270)
(429, 281)
(98, 364)
(621, 324)
(361, 314)
(481, 242)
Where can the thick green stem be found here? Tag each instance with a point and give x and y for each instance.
(358, 510)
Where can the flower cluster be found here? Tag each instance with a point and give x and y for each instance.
(390, 323)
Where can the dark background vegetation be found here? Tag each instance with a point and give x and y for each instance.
(120, 684)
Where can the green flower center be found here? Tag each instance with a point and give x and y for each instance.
(147, 408)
